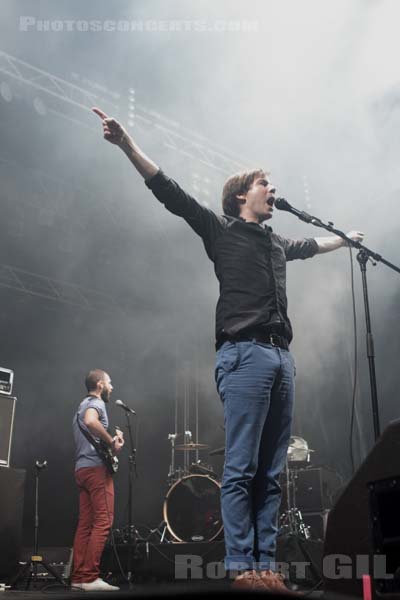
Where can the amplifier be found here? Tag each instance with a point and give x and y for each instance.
(301, 559)
(6, 381)
(316, 522)
(7, 410)
(12, 484)
(312, 488)
(384, 497)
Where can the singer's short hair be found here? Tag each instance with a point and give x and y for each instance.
(93, 378)
(240, 183)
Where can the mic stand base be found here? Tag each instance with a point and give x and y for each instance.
(29, 571)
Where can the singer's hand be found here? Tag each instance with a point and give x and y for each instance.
(112, 130)
(116, 134)
(356, 236)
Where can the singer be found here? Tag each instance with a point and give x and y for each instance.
(254, 367)
(95, 484)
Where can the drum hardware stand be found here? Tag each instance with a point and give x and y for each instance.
(162, 531)
(131, 528)
(31, 568)
(292, 522)
(171, 473)
(187, 439)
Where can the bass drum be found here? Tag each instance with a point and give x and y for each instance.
(192, 509)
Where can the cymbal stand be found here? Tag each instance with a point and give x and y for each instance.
(196, 406)
(291, 521)
(188, 439)
(172, 470)
(174, 474)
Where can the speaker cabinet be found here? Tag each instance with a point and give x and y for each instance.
(364, 522)
(316, 523)
(7, 410)
(300, 560)
(313, 488)
(12, 483)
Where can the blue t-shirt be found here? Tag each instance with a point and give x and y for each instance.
(85, 453)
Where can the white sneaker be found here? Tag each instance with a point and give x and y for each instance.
(75, 587)
(98, 585)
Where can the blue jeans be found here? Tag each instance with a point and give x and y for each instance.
(256, 384)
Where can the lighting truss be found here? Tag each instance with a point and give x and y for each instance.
(46, 82)
(184, 142)
(189, 144)
(57, 290)
(173, 136)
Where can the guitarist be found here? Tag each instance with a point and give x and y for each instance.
(94, 481)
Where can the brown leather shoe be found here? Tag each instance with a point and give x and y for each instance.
(248, 580)
(274, 582)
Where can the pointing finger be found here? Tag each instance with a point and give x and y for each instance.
(99, 112)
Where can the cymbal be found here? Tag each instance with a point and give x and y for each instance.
(191, 446)
(217, 451)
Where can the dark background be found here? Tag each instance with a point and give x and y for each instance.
(95, 273)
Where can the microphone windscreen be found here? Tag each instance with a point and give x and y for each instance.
(282, 204)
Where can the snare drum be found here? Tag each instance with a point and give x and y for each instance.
(201, 468)
(192, 509)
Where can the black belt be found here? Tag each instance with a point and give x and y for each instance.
(262, 337)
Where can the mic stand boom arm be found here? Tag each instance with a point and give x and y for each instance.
(364, 254)
(370, 254)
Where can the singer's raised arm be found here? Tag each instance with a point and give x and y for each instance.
(202, 220)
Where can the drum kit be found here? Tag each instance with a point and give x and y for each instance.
(192, 510)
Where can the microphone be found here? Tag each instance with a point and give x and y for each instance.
(283, 204)
(125, 407)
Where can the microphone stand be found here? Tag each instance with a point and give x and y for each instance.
(132, 469)
(363, 256)
(30, 568)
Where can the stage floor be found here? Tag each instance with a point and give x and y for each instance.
(146, 590)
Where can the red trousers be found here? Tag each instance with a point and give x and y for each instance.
(96, 514)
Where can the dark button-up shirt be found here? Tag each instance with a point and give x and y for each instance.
(249, 262)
